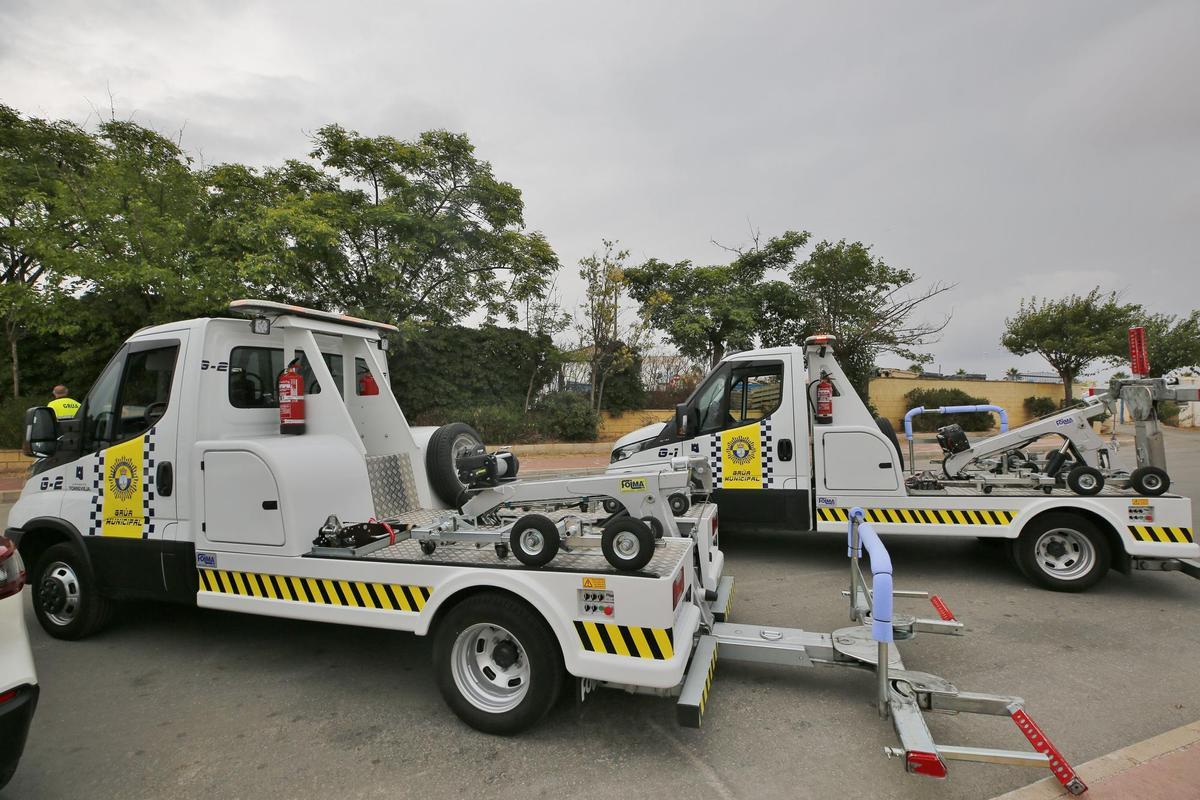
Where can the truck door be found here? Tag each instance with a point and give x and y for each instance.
(745, 419)
(121, 488)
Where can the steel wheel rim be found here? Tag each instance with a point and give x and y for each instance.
(480, 678)
(1152, 482)
(626, 545)
(1064, 553)
(60, 587)
(1087, 481)
(532, 541)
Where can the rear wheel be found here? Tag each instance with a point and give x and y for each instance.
(496, 663)
(1064, 552)
(1085, 480)
(66, 597)
(1150, 481)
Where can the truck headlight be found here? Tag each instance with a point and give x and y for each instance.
(622, 453)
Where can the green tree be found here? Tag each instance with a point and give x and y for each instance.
(1012, 374)
(842, 289)
(401, 229)
(706, 310)
(41, 165)
(1173, 342)
(1071, 333)
(609, 344)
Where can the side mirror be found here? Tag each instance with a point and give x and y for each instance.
(681, 420)
(41, 432)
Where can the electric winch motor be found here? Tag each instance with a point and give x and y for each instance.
(481, 469)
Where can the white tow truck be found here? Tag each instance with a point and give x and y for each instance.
(191, 473)
(780, 462)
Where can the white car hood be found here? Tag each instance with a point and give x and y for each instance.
(641, 434)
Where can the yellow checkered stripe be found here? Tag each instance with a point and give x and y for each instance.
(318, 591)
(626, 640)
(1162, 533)
(923, 516)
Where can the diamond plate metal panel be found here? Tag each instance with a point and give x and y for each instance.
(393, 485)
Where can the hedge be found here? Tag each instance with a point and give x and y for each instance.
(936, 398)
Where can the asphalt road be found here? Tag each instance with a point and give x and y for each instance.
(186, 703)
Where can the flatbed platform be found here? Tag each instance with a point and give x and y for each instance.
(1005, 491)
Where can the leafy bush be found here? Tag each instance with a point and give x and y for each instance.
(1040, 406)
(935, 398)
(1168, 412)
(567, 416)
(12, 419)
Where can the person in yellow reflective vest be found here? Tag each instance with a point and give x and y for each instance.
(62, 405)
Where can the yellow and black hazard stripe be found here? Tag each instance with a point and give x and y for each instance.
(689, 709)
(1162, 533)
(923, 516)
(626, 640)
(318, 591)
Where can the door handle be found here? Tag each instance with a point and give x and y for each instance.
(785, 449)
(885, 465)
(164, 479)
(270, 505)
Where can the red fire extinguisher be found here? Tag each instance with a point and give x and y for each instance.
(824, 402)
(367, 385)
(291, 400)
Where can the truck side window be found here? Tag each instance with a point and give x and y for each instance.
(254, 376)
(709, 400)
(145, 390)
(98, 407)
(755, 393)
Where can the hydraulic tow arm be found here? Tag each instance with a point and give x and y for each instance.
(902, 694)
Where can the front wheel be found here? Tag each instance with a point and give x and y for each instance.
(1085, 480)
(66, 598)
(1064, 552)
(497, 664)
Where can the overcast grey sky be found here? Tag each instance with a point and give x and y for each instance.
(1013, 148)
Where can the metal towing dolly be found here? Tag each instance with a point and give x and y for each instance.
(646, 509)
(902, 694)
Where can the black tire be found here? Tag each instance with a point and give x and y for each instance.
(628, 544)
(1085, 480)
(428, 547)
(655, 526)
(1064, 552)
(1150, 481)
(889, 433)
(537, 646)
(446, 444)
(610, 505)
(534, 540)
(679, 504)
(66, 596)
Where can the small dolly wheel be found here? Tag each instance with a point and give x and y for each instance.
(628, 543)
(679, 504)
(611, 506)
(427, 547)
(501, 551)
(1150, 481)
(655, 526)
(1085, 480)
(534, 540)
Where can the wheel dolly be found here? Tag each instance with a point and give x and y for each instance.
(902, 694)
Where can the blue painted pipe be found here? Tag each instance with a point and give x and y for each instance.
(881, 574)
(912, 412)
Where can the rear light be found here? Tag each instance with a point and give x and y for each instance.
(677, 589)
(921, 763)
(6, 696)
(12, 568)
(714, 529)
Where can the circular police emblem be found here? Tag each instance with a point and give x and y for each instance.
(740, 450)
(122, 479)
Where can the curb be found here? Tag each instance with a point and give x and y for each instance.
(1104, 767)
